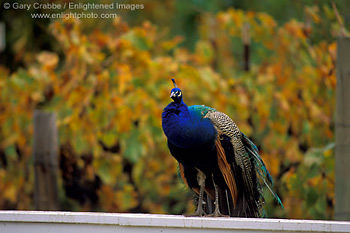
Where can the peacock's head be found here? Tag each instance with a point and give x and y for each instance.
(176, 93)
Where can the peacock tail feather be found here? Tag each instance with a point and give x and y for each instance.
(246, 156)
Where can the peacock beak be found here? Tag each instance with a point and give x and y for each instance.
(172, 95)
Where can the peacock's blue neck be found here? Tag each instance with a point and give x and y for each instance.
(185, 127)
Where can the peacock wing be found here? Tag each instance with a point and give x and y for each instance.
(226, 126)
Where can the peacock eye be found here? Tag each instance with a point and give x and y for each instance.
(178, 93)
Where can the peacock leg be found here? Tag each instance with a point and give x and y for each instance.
(216, 212)
(201, 182)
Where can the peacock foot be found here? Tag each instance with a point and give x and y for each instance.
(217, 214)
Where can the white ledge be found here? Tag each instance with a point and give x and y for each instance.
(52, 221)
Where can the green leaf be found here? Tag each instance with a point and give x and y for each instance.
(104, 172)
(137, 41)
(313, 171)
(80, 144)
(133, 149)
(311, 197)
(109, 138)
(10, 151)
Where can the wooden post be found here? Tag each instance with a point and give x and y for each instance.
(45, 148)
(342, 131)
(2, 36)
(246, 46)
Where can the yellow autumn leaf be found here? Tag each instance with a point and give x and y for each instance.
(10, 193)
(49, 60)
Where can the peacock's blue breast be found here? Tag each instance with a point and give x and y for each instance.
(186, 127)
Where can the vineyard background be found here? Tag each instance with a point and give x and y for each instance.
(109, 80)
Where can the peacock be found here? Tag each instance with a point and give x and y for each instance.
(216, 160)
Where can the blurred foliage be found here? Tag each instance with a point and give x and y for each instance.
(110, 85)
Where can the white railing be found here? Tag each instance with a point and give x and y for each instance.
(67, 222)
